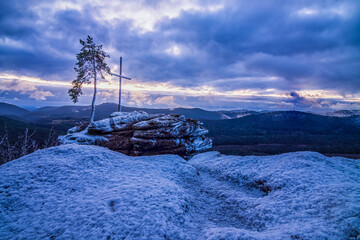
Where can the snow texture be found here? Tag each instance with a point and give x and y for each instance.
(117, 121)
(161, 121)
(89, 192)
(81, 138)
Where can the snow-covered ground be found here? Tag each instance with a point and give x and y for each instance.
(89, 192)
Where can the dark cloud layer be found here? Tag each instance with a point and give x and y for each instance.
(301, 44)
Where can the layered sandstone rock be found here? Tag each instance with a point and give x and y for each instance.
(139, 133)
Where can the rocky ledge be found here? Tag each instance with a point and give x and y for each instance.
(140, 133)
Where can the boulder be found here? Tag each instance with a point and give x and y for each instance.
(140, 133)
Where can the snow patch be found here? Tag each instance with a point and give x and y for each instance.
(89, 192)
(302, 194)
(117, 121)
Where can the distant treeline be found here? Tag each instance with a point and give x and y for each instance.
(279, 132)
(257, 134)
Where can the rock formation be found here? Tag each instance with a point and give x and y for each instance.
(139, 133)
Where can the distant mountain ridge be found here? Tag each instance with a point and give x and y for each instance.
(343, 113)
(65, 117)
(104, 110)
(239, 132)
(12, 110)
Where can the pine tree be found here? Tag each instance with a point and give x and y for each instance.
(91, 61)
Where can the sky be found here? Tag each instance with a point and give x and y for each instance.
(264, 54)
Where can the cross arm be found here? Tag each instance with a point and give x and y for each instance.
(120, 76)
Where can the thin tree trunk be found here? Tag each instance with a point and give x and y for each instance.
(94, 97)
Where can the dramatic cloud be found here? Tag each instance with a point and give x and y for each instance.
(262, 50)
(25, 88)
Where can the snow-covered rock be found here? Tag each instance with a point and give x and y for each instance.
(138, 133)
(90, 192)
(160, 122)
(118, 121)
(82, 138)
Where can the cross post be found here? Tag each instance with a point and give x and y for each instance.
(120, 80)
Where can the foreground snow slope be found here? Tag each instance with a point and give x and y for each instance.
(89, 192)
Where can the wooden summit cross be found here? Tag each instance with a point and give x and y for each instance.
(120, 78)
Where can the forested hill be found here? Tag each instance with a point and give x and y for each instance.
(285, 121)
(14, 129)
(13, 110)
(276, 132)
(245, 133)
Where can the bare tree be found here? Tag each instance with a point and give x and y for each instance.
(27, 144)
(9, 149)
(2, 140)
(51, 140)
(24, 144)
